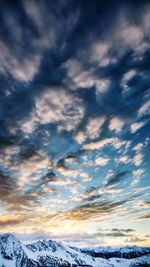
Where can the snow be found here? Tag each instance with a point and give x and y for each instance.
(13, 253)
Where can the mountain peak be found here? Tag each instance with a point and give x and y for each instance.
(8, 236)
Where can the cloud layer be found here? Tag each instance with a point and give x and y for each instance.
(74, 113)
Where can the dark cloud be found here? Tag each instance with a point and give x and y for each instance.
(135, 240)
(14, 198)
(7, 184)
(142, 218)
(98, 209)
(117, 178)
(128, 230)
(113, 234)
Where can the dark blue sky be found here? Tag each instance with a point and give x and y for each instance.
(74, 117)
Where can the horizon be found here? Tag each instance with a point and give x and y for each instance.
(27, 242)
(75, 121)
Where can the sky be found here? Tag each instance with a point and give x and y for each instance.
(75, 121)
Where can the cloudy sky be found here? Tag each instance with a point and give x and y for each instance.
(75, 121)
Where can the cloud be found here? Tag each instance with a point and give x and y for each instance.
(8, 220)
(77, 239)
(92, 129)
(136, 126)
(126, 79)
(23, 70)
(145, 204)
(138, 159)
(99, 50)
(89, 211)
(29, 38)
(115, 142)
(115, 232)
(143, 218)
(128, 230)
(124, 159)
(116, 124)
(138, 147)
(134, 240)
(55, 105)
(21, 185)
(117, 178)
(144, 109)
(101, 161)
(137, 174)
(72, 106)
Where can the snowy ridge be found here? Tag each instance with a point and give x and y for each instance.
(47, 253)
(128, 252)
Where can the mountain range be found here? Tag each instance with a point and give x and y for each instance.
(46, 253)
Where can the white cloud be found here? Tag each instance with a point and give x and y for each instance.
(102, 86)
(138, 159)
(124, 159)
(138, 147)
(84, 78)
(80, 137)
(115, 142)
(22, 62)
(68, 172)
(145, 109)
(92, 129)
(146, 19)
(129, 75)
(136, 126)
(131, 35)
(78, 76)
(55, 106)
(94, 126)
(85, 177)
(99, 50)
(126, 78)
(101, 161)
(22, 70)
(31, 170)
(116, 124)
(137, 174)
(128, 34)
(98, 144)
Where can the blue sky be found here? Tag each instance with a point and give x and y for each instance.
(74, 114)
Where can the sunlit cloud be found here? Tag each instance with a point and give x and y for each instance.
(8, 220)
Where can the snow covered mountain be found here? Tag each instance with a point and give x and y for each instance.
(47, 253)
